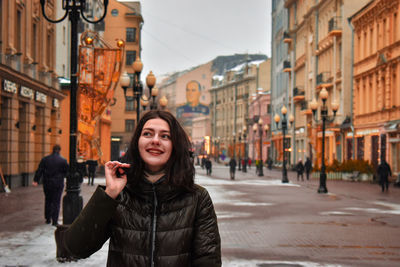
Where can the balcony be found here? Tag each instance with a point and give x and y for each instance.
(286, 38)
(335, 26)
(304, 109)
(286, 66)
(324, 79)
(298, 94)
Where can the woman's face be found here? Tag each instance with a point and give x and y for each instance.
(155, 145)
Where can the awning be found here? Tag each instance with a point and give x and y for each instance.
(392, 126)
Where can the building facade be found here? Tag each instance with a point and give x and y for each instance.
(123, 21)
(319, 41)
(30, 95)
(377, 83)
(280, 80)
(231, 117)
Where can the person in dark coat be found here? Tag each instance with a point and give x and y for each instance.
(150, 209)
(91, 166)
(232, 168)
(384, 172)
(269, 163)
(308, 167)
(208, 166)
(52, 170)
(300, 170)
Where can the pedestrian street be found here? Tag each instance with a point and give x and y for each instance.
(262, 222)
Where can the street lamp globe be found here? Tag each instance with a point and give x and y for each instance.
(137, 66)
(266, 128)
(163, 101)
(154, 92)
(254, 127)
(314, 105)
(260, 122)
(150, 80)
(124, 80)
(335, 106)
(277, 118)
(144, 101)
(284, 110)
(291, 118)
(323, 94)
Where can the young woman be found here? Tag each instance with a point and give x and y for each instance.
(150, 208)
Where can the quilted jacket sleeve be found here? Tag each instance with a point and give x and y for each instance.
(89, 231)
(207, 242)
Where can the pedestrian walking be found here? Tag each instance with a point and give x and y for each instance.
(51, 171)
(269, 163)
(150, 209)
(91, 166)
(203, 162)
(249, 163)
(208, 166)
(232, 168)
(384, 172)
(300, 170)
(308, 167)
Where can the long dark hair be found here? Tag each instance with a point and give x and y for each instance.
(179, 168)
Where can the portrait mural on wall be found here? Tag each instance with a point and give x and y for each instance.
(192, 107)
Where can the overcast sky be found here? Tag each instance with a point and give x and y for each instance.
(179, 34)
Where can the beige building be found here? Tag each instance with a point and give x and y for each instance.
(189, 99)
(319, 56)
(30, 96)
(377, 83)
(123, 21)
(231, 98)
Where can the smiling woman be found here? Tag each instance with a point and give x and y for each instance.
(150, 209)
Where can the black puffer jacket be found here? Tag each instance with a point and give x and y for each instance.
(149, 221)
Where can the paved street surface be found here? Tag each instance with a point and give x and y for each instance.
(262, 223)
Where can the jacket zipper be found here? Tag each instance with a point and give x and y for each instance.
(153, 229)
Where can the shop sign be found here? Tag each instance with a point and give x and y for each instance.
(56, 103)
(40, 97)
(367, 132)
(26, 92)
(10, 87)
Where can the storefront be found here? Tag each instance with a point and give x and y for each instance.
(29, 125)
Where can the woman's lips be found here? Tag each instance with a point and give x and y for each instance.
(154, 151)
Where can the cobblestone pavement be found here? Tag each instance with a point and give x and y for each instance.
(262, 222)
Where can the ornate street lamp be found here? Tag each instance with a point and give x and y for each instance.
(234, 145)
(244, 168)
(255, 127)
(240, 154)
(283, 128)
(260, 127)
(137, 89)
(72, 201)
(324, 118)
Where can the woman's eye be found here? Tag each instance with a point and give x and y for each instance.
(165, 136)
(146, 134)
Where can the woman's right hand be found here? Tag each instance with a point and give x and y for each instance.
(115, 184)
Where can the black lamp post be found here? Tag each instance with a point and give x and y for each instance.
(218, 141)
(240, 152)
(324, 118)
(283, 128)
(244, 168)
(72, 201)
(234, 145)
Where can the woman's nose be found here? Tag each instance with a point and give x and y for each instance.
(155, 139)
